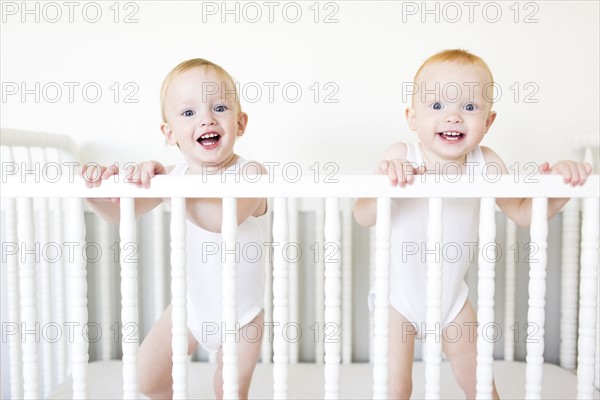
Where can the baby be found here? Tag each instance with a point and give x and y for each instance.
(451, 113)
(203, 117)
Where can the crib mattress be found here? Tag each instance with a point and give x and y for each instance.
(356, 381)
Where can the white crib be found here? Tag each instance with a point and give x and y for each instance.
(57, 366)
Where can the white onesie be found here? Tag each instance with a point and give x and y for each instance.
(408, 274)
(204, 267)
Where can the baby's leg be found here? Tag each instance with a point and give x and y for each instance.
(400, 359)
(462, 350)
(248, 351)
(155, 359)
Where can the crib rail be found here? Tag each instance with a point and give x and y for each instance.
(349, 186)
(486, 187)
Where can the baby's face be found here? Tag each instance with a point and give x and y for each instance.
(203, 117)
(451, 109)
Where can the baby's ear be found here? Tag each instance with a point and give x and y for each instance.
(168, 132)
(490, 120)
(242, 123)
(411, 118)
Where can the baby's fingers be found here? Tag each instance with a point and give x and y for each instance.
(544, 168)
(571, 171)
(392, 174)
(408, 172)
(383, 167)
(146, 175)
(92, 175)
(134, 175)
(110, 171)
(583, 170)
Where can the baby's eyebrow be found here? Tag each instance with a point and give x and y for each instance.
(186, 103)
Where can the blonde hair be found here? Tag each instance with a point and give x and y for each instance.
(188, 65)
(457, 56)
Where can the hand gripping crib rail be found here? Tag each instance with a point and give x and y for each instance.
(22, 293)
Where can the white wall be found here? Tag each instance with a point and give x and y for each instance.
(367, 54)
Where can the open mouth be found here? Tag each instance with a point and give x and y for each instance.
(451, 136)
(209, 140)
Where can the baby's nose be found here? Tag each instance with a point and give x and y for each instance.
(453, 118)
(207, 120)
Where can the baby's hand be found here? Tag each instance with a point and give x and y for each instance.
(93, 175)
(400, 172)
(141, 174)
(572, 172)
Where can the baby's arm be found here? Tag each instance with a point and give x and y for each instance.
(519, 210)
(109, 209)
(400, 172)
(207, 212)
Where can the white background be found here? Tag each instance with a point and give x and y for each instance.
(367, 55)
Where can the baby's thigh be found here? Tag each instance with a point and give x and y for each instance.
(248, 347)
(250, 344)
(460, 335)
(401, 343)
(155, 354)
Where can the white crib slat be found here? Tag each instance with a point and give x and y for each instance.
(569, 280)
(28, 292)
(432, 348)
(12, 288)
(371, 285)
(28, 298)
(588, 299)
(45, 294)
(61, 359)
(179, 339)
(293, 271)
(382, 299)
(129, 297)
(510, 290)
(45, 288)
(158, 238)
(319, 281)
(267, 343)
(597, 367)
(485, 297)
(537, 292)
(332, 298)
(59, 286)
(280, 301)
(347, 282)
(230, 357)
(105, 289)
(77, 297)
(12, 276)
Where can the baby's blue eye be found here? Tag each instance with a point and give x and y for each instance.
(470, 107)
(220, 108)
(187, 113)
(437, 105)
